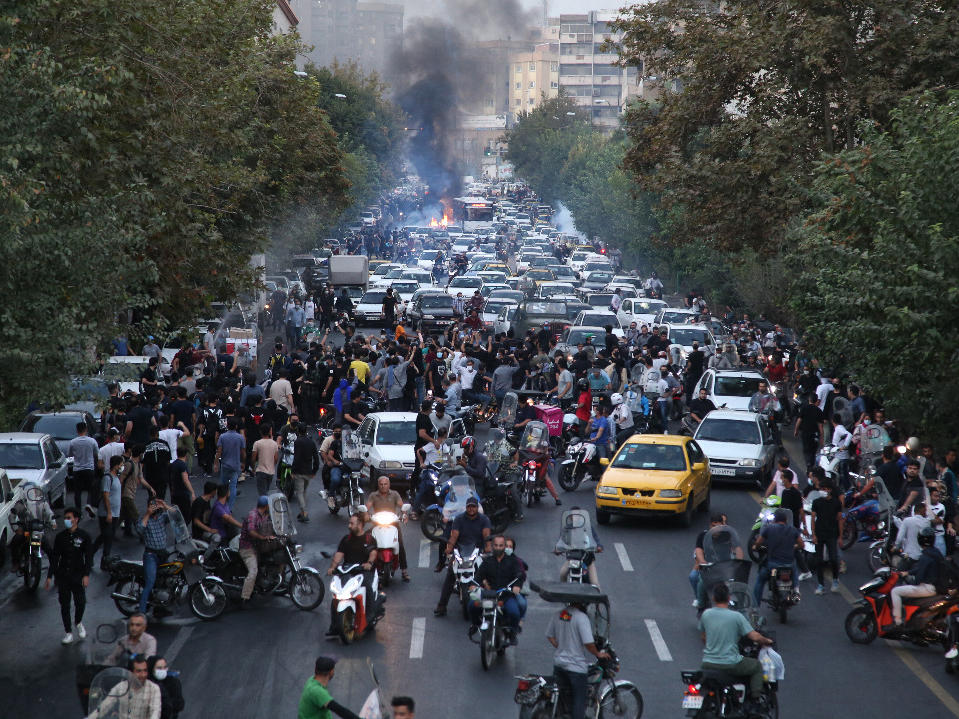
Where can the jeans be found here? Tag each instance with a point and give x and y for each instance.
(420, 390)
(694, 582)
(336, 477)
(746, 667)
(762, 578)
(67, 588)
(470, 395)
(151, 562)
(229, 476)
(663, 409)
(511, 612)
(263, 482)
(424, 494)
(575, 684)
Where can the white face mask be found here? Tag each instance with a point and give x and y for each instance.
(160, 674)
(509, 551)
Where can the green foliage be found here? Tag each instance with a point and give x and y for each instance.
(145, 148)
(876, 262)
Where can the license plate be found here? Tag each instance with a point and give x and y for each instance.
(723, 471)
(692, 701)
(636, 502)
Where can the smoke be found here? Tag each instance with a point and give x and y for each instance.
(563, 220)
(440, 71)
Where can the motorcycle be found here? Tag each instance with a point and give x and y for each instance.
(355, 610)
(386, 534)
(452, 488)
(578, 544)
(279, 570)
(533, 453)
(539, 696)
(781, 595)
(349, 494)
(925, 619)
(464, 563)
(581, 459)
(867, 521)
(33, 525)
(711, 694)
(493, 636)
(766, 513)
(177, 577)
(505, 417)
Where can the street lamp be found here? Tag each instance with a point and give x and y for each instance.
(571, 114)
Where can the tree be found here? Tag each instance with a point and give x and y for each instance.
(145, 148)
(754, 92)
(876, 263)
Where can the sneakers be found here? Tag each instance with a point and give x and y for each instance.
(67, 638)
(835, 587)
(820, 590)
(804, 576)
(88, 508)
(952, 653)
(695, 604)
(559, 502)
(439, 611)
(81, 631)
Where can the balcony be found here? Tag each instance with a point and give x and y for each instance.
(565, 80)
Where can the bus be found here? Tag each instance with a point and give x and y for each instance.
(474, 213)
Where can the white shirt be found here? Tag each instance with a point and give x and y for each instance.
(841, 438)
(623, 417)
(822, 391)
(170, 436)
(309, 307)
(614, 302)
(467, 376)
(908, 537)
(112, 449)
(938, 511)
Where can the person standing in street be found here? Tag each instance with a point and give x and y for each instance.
(70, 568)
(306, 463)
(153, 530)
(571, 635)
(181, 489)
(316, 702)
(108, 513)
(156, 462)
(266, 454)
(826, 529)
(230, 451)
(84, 450)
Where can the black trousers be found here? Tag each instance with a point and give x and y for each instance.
(71, 588)
(84, 480)
(108, 532)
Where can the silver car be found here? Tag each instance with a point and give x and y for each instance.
(34, 457)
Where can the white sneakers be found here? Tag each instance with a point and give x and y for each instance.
(804, 576)
(696, 603)
(81, 631)
(67, 638)
(952, 653)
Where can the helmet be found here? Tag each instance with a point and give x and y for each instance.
(616, 399)
(927, 537)
(582, 384)
(467, 443)
(912, 444)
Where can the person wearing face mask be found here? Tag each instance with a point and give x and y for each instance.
(502, 571)
(136, 698)
(171, 691)
(70, 563)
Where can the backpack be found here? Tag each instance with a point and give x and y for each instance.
(276, 362)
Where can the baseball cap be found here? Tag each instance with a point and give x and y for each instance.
(263, 501)
(472, 500)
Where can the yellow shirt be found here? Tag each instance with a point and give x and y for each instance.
(361, 369)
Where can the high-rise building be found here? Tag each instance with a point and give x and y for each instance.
(343, 31)
(533, 75)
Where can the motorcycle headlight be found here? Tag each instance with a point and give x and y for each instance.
(388, 464)
(607, 491)
(749, 463)
(343, 596)
(767, 516)
(670, 493)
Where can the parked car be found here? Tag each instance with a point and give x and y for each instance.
(28, 456)
(599, 318)
(730, 388)
(9, 496)
(62, 426)
(740, 446)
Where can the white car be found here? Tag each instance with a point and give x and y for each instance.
(730, 388)
(674, 315)
(387, 440)
(555, 288)
(382, 270)
(599, 318)
(492, 276)
(367, 218)
(466, 284)
(640, 310)
(524, 260)
(369, 308)
(490, 287)
(681, 338)
(578, 259)
(404, 289)
(626, 291)
(34, 457)
(492, 309)
(740, 446)
(427, 258)
(382, 281)
(504, 320)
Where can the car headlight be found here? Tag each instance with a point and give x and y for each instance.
(749, 463)
(607, 490)
(387, 464)
(670, 493)
(428, 317)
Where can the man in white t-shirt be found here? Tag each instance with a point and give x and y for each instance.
(616, 300)
(822, 393)
(172, 434)
(113, 448)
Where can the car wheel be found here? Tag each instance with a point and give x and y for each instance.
(704, 505)
(602, 516)
(686, 518)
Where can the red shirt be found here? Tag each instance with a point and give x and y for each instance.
(776, 373)
(473, 322)
(584, 412)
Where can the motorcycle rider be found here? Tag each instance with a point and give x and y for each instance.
(701, 406)
(468, 529)
(357, 547)
(653, 286)
(532, 451)
(385, 499)
(257, 527)
(495, 574)
(921, 581)
(907, 539)
(561, 547)
(623, 418)
(70, 567)
(477, 467)
(153, 529)
(782, 540)
(571, 634)
(765, 403)
(137, 641)
(722, 628)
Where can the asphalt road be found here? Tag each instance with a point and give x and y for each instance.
(254, 663)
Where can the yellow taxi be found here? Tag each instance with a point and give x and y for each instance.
(498, 267)
(537, 275)
(654, 474)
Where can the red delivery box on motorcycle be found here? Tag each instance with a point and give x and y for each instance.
(552, 417)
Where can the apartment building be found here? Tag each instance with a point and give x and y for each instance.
(367, 33)
(533, 76)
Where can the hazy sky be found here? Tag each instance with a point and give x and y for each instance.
(556, 7)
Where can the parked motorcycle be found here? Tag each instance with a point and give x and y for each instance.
(180, 575)
(539, 696)
(712, 694)
(355, 609)
(925, 619)
(349, 494)
(493, 636)
(279, 569)
(386, 535)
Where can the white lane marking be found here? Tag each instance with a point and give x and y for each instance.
(416, 641)
(426, 549)
(179, 641)
(623, 557)
(662, 651)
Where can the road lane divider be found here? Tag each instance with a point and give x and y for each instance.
(417, 638)
(659, 644)
(426, 550)
(623, 557)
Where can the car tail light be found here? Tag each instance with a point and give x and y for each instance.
(692, 689)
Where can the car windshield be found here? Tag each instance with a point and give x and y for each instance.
(515, 295)
(550, 290)
(466, 282)
(675, 316)
(21, 456)
(405, 286)
(552, 309)
(577, 257)
(663, 457)
(541, 274)
(604, 277)
(686, 336)
(395, 273)
(495, 306)
(57, 426)
(436, 301)
(373, 298)
(384, 269)
(599, 319)
(572, 310)
(737, 386)
(600, 300)
(644, 307)
(728, 430)
(396, 433)
(576, 336)
(590, 266)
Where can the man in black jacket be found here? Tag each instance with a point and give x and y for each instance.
(498, 573)
(70, 567)
(306, 463)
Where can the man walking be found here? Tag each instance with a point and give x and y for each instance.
(306, 463)
(84, 450)
(316, 702)
(70, 568)
(266, 454)
(230, 451)
(108, 513)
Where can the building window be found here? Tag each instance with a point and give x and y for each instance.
(554, 85)
(532, 67)
(531, 101)
(517, 102)
(519, 85)
(553, 66)
(519, 68)
(532, 84)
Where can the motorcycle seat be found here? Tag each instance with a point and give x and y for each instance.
(921, 601)
(719, 678)
(354, 465)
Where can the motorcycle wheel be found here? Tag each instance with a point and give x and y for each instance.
(306, 590)
(623, 700)
(465, 603)
(432, 525)
(31, 574)
(754, 554)
(861, 625)
(346, 627)
(529, 496)
(131, 588)
(850, 533)
(487, 649)
(210, 606)
(566, 479)
(877, 558)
